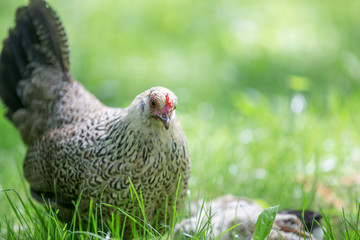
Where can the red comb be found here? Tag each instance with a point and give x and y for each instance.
(168, 103)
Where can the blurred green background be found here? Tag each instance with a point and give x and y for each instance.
(268, 91)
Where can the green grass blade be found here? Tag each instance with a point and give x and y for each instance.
(145, 226)
(265, 222)
(227, 230)
(327, 227)
(174, 207)
(19, 214)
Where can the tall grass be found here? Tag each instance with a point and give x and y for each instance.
(34, 221)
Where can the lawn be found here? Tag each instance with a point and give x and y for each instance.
(268, 92)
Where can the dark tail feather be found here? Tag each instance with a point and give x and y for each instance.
(9, 76)
(51, 33)
(38, 39)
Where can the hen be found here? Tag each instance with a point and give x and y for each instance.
(78, 146)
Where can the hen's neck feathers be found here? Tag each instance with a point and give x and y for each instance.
(137, 114)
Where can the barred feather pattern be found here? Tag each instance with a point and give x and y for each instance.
(101, 151)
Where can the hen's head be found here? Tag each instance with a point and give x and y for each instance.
(160, 104)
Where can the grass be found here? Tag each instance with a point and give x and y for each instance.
(37, 222)
(268, 98)
(34, 222)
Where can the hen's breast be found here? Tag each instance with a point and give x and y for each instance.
(144, 161)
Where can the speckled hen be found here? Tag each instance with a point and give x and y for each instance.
(75, 143)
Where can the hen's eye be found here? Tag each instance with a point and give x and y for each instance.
(153, 103)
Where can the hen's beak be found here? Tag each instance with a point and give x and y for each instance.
(164, 119)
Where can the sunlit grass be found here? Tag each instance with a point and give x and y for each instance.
(35, 222)
(32, 221)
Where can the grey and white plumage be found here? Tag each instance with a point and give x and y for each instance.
(75, 143)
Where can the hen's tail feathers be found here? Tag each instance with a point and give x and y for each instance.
(38, 39)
